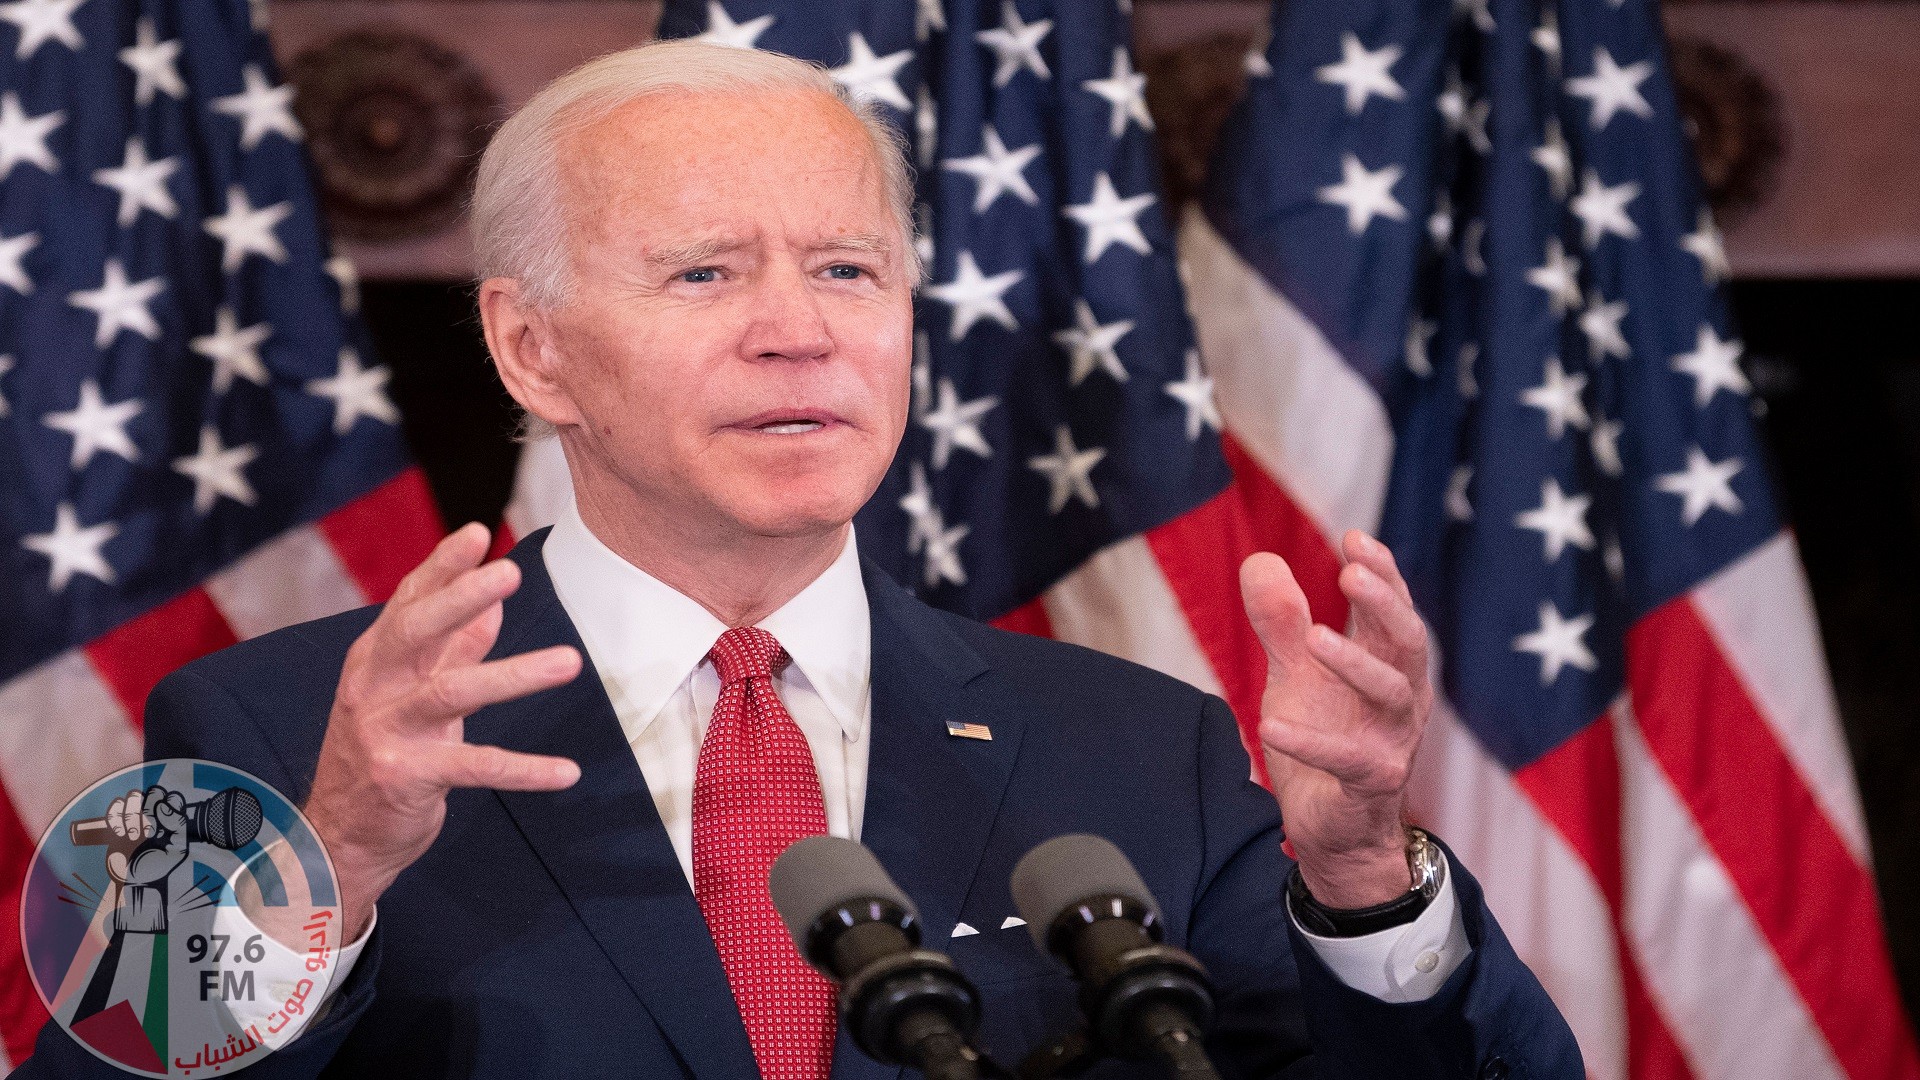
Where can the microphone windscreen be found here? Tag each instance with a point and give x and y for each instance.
(228, 819)
(1066, 870)
(819, 873)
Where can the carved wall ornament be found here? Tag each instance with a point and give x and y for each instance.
(1732, 120)
(1190, 90)
(395, 125)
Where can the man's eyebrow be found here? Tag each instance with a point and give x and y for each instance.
(692, 251)
(868, 243)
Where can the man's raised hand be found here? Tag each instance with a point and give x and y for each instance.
(395, 742)
(1341, 719)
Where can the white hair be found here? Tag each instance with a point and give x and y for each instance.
(519, 230)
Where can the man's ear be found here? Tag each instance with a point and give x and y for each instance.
(520, 337)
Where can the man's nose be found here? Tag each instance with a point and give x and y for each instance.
(788, 322)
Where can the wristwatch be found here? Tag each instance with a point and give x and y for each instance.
(1429, 873)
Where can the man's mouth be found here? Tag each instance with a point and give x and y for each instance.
(788, 421)
(790, 427)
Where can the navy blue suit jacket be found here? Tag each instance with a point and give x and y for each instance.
(554, 934)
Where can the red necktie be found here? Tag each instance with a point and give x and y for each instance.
(754, 793)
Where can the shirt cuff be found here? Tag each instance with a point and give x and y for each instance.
(343, 960)
(1401, 963)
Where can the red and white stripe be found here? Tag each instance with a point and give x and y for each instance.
(76, 717)
(1688, 877)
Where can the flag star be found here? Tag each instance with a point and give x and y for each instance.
(1612, 88)
(41, 21)
(1110, 219)
(142, 184)
(1479, 11)
(1452, 101)
(923, 518)
(263, 108)
(974, 296)
(1559, 643)
(1195, 391)
(1458, 507)
(1473, 124)
(1362, 73)
(996, 169)
(1092, 344)
(1440, 222)
(216, 471)
(23, 138)
(1560, 519)
(1603, 210)
(1125, 91)
(929, 17)
(1615, 559)
(120, 305)
(957, 423)
(1472, 248)
(245, 231)
(1558, 396)
(1365, 195)
(1469, 355)
(926, 125)
(722, 30)
(1419, 333)
(1559, 276)
(1714, 365)
(942, 557)
(347, 278)
(235, 352)
(13, 253)
(1552, 156)
(1016, 44)
(96, 425)
(6, 365)
(872, 78)
(1702, 485)
(1546, 36)
(1600, 322)
(1605, 440)
(922, 373)
(1704, 243)
(356, 392)
(73, 549)
(1069, 470)
(1255, 62)
(155, 64)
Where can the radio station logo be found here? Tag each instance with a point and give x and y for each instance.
(180, 918)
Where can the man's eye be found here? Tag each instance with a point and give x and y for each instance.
(702, 276)
(844, 272)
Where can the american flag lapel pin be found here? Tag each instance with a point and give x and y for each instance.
(969, 731)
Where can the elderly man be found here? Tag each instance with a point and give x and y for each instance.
(559, 778)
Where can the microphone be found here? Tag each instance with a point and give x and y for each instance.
(903, 1005)
(1085, 904)
(227, 819)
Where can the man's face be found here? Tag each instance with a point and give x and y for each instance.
(737, 344)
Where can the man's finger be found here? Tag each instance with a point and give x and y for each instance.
(457, 691)
(466, 765)
(425, 625)
(1275, 605)
(1316, 749)
(462, 549)
(1384, 621)
(1379, 682)
(1377, 557)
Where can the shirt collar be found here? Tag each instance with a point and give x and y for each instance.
(645, 638)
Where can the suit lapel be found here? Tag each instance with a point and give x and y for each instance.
(931, 797)
(604, 844)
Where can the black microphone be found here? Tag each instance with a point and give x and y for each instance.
(227, 819)
(1085, 904)
(902, 1005)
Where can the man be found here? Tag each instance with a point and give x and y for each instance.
(559, 778)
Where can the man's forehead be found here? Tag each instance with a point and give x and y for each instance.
(675, 128)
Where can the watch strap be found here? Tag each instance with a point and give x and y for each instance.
(1423, 860)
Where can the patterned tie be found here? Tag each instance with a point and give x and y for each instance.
(756, 792)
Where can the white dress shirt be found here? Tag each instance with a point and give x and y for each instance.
(649, 643)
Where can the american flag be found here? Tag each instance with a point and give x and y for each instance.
(196, 445)
(1454, 286)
